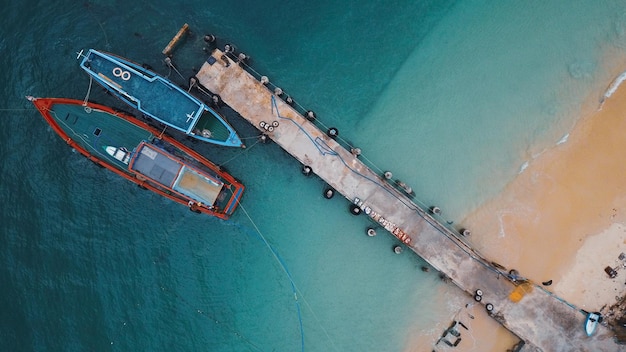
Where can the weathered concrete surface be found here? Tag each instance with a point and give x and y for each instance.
(540, 319)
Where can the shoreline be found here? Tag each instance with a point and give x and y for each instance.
(561, 220)
(570, 193)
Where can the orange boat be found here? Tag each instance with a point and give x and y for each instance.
(141, 154)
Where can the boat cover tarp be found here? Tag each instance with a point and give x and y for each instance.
(156, 166)
(174, 174)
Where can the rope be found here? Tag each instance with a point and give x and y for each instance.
(161, 134)
(282, 265)
(88, 91)
(171, 66)
(294, 288)
(240, 153)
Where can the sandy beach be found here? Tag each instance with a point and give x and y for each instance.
(563, 219)
(560, 219)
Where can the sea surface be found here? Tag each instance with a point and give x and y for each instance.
(453, 97)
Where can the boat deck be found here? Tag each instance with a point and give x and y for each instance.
(539, 318)
(95, 131)
(149, 93)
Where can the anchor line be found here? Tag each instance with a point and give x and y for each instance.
(251, 137)
(162, 132)
(297, 294)
(284, 267)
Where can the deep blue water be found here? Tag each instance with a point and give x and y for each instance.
(453, 97)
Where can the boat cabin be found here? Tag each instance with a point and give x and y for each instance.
(173, 173)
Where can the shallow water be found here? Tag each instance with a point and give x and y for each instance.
(452, 98)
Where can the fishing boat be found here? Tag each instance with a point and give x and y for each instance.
(140, 153)
(158, 98)
(592, 322)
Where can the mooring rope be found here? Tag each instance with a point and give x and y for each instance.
(241, 152)
(88, 91)
(294, 288)
(284, 267)
(170, 64)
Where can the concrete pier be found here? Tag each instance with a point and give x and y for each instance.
(542, 320)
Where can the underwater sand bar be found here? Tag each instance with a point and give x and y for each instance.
(539, 318)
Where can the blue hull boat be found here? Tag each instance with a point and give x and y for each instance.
(159, 98)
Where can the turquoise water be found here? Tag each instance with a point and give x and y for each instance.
(452, 97)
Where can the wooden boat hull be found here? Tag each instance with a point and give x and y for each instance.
(159, 98)
(114, 140)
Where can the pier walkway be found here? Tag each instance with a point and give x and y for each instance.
(542, 320)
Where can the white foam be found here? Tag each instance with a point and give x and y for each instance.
(613, 86)
(563, 139)
(523, 167)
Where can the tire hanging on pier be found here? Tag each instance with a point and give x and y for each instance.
(489, 307)
(217, 100)
(329, 193)
(354, 209)
(332, 132)
(307, 170)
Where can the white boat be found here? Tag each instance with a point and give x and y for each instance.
(592, 323)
